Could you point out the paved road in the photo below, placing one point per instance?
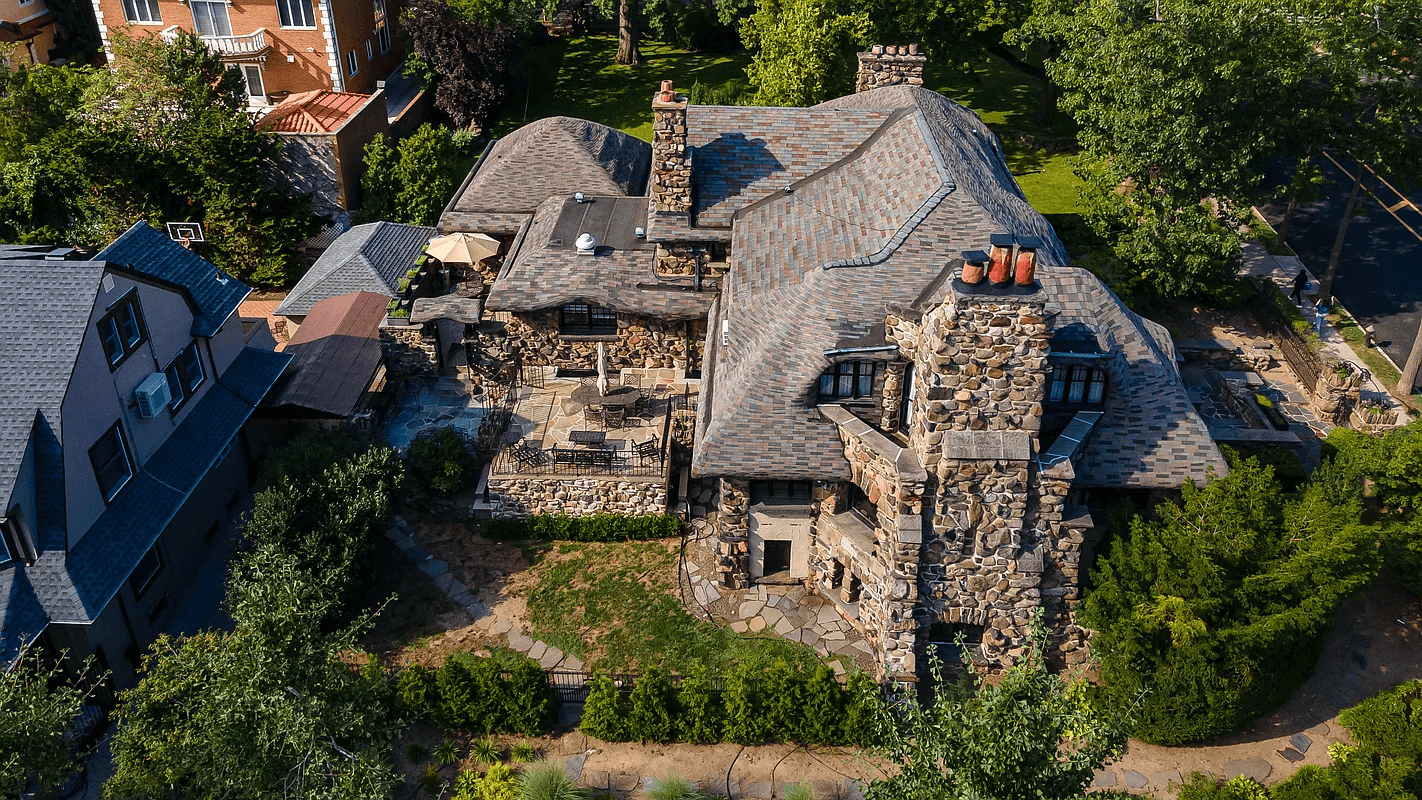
(1380, 274)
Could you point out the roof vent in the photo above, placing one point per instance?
(640, 233)
(585, 244)
(580, 198)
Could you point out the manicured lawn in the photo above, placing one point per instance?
(615, 606)
(579, 77)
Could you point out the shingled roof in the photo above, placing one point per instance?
(551, 157)
(815, 267)
(148, 251)
(366, 258)
(335, 354)
(544, 269)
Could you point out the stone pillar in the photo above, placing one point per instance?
(1338, 388)
(733, 538)
(893, 395)
(680, 259)
(889, 65)
(671, 160)
(408, 353)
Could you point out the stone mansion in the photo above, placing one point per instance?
(907, 398)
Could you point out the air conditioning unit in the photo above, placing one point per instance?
(153, 395)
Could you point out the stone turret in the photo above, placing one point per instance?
(671, 160)
(889, 65)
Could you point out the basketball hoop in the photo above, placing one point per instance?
(185, 233)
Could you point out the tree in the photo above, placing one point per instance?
(409, 181)
(652, 716)
(37, 705)
(1030, 735)
(700, 707)
(602, 711)
(163, 135)
(804, 50)
(379, 185)
(1181, 107)
(1407, 384)
(473, 59)
(1217, 609)
(270, 709)
(629, 29)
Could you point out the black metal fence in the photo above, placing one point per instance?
(1305, 364)
(577, 461)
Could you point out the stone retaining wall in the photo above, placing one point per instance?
(408, 353)
(640, 342)
(517, 498)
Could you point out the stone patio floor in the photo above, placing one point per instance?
(432, 404)
(544, 416)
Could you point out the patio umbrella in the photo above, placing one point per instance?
(601, 370)
(462, 248)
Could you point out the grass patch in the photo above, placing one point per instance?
(1353, 334)
(580, 77)
(615, 607)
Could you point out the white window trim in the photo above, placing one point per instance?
(369, 51)
(24, 3)
(352, 64)
(315, 15)
(124, 9)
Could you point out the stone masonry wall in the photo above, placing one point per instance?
(641, 342)
(889, 65)
(980, 373)
(408, 353)
(733, 534)
(516, 498)
(671, 160)
(889, 578)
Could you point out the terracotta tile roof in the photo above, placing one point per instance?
(317, 111)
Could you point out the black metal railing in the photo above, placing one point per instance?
(1305, 364)
(578, 461)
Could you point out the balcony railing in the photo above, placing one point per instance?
(251, 44)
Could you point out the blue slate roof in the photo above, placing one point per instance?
(147, 251)
(76, 588)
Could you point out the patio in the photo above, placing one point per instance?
(553, 434)
(438, 404)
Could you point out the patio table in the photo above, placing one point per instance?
(616, 396)
(587, 437)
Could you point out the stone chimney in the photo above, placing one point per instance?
(889, 65)
(671, 161)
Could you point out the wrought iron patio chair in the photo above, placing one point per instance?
(613, 418)
(650, 449)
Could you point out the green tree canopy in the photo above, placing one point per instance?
(37, 705)
(1217, 609)
(162, 135)
(1030, 735)
(804, 50)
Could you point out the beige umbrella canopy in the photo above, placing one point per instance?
(462, 248)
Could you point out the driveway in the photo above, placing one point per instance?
(1379, 277)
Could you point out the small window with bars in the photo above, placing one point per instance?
(587, 319)
(1075, 385)
(849, 380)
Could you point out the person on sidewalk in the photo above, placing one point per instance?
(1320, 316)
(1300, 283)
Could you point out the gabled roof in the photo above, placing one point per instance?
(44, 311)
(367, 258)
(551, 157)
(316, 111)
(75, 588)
(335, 354)
(146, 251)
(544, 269)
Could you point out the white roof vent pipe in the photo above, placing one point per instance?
(585, 244)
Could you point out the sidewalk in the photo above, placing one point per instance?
(1258, 262)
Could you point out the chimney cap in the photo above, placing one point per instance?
(1002, 240)
(667, 94)
(1029, 243)
(975, 256)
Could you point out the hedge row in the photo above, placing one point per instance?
(481, 695)
(594, 528)
(779, 704)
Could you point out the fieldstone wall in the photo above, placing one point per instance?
(517, 498)
(640, 343)
(408, 353)
(980, 367)
(1337, 390)
(733, 534)
(889, 65)
(671, 160)
(890, 476)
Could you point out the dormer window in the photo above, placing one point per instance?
(121, 331)
(1077, 385)
(849, 380)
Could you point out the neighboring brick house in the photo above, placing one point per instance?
(282, 47)
(324, 135)
(908, 400)
(126, 384)
(26, 32)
